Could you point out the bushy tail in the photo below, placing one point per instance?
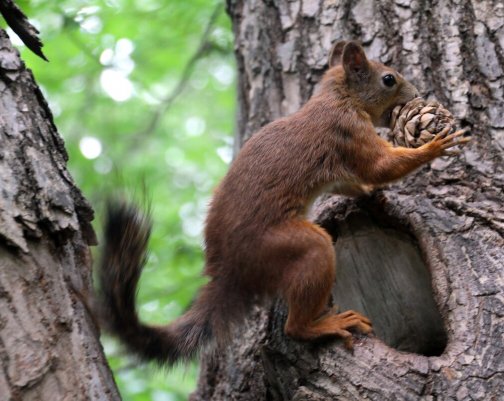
(127, 232)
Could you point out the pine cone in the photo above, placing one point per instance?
(418, 121)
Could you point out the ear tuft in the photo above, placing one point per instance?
(336, 53)
(355, 61)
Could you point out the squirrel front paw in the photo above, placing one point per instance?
(442, 142)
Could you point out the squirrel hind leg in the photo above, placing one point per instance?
(303, 322)
(306, 286)
(335, 326)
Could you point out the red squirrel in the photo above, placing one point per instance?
(258, 242)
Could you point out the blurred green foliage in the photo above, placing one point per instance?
(114, 66)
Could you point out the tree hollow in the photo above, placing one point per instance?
(380, 272)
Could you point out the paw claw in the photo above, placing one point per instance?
(441, 135)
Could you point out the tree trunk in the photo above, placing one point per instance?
(49, 348)
(422, 258)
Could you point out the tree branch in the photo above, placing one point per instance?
(19, 23)
(168, 101)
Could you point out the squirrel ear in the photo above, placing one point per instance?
(336, 53)
(355, 61)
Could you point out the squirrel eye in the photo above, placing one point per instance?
(389, 80)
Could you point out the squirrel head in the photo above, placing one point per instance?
(377, 88)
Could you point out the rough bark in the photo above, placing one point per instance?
(424, 257)
(49, 348)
